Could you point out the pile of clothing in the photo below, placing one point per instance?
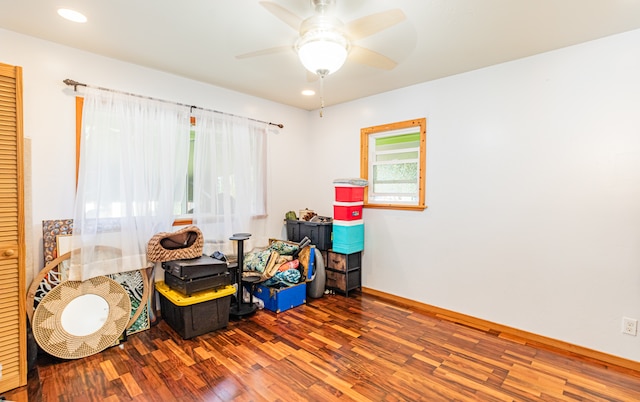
(282, 264)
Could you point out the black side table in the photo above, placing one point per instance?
(241, 309)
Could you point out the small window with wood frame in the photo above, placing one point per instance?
(393, 160)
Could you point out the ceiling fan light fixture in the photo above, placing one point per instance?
(322, 52)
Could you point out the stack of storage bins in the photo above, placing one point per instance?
(195, 296)
(348, 225)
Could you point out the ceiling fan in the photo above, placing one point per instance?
(325, 42)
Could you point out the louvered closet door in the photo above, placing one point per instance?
(12, 245)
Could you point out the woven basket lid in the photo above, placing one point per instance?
(183, 244)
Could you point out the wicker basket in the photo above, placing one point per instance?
(183, 244)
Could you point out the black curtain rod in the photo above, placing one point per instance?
(76, 84)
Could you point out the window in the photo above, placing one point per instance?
(393, 160)
(183, 209)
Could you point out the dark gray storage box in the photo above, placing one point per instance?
(191, 286)
(195, 267)
(198, 314)
(318, 232)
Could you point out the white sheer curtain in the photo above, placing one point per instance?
(229, 180)
(133, 168)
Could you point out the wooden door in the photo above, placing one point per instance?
(13, 356)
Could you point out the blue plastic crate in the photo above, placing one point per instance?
(279, 300)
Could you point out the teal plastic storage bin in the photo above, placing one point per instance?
(348, 236)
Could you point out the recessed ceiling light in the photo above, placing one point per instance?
(308, 92)
(72, 15)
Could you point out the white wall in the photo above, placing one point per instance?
(49, 121)
(533, 189)
(533, 178)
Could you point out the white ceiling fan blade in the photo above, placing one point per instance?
(368, 57)
(283, 14)
(367, 26)
(265, 52)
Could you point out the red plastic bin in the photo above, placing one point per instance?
(347, 211)
(349, 193)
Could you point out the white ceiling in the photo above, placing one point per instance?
(200, 39)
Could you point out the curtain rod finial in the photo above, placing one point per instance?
(73, 83)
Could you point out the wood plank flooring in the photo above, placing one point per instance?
(360, 348)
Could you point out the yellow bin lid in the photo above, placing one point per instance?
(179, 299)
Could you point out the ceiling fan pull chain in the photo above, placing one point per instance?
(321, 96)
(322, 74)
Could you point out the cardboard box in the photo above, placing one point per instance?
(279, 300)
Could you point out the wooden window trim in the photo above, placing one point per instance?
(79, 103)
(364, 161)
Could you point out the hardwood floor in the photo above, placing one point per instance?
(334, 348)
